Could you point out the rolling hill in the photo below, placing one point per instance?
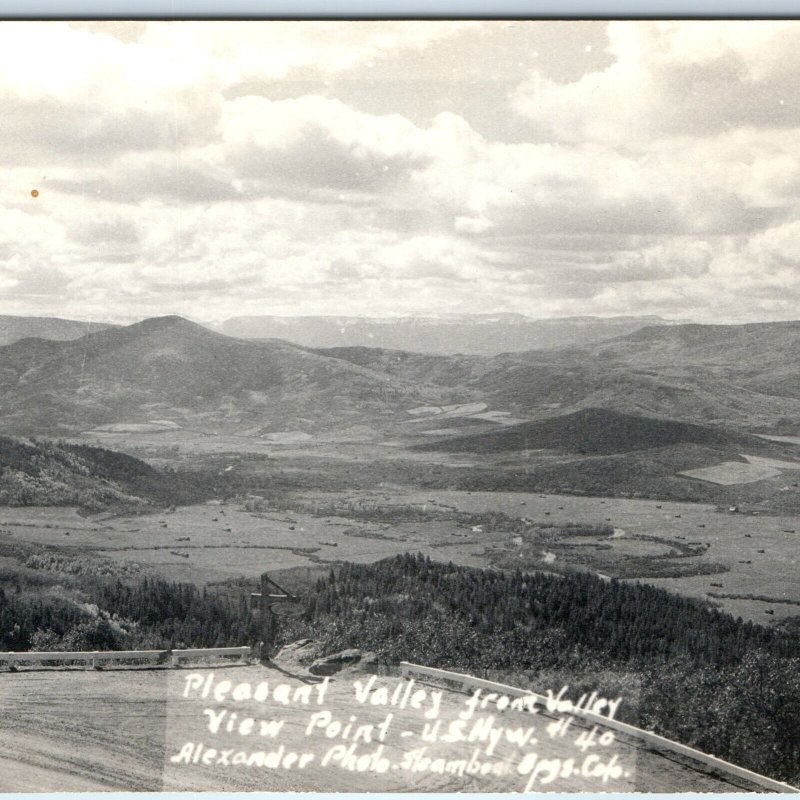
(13, 329)
(762, 344)
(597, 431)
(44, 473)
(743, 376)
(170, 369)
(608, 453)
(758, 363)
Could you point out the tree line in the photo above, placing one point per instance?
(698, 675)
(148, 614)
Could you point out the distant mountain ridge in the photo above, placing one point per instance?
(13, 328)
(477, 334)
(169, 369)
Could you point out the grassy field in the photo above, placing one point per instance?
(756, 468)
(768, 543)
(742, 554)
(212, 542)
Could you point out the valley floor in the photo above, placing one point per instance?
(747, 564)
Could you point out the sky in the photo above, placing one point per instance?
(219, 169)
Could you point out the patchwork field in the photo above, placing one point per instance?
(756, 468)
(213, 542)
(745, 563)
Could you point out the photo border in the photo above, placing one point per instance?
(397, 9)
(389, 10)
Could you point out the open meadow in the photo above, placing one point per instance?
(694, 549)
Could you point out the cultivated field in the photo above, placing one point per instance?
(756, 468)
(743, 554)
(759, 552)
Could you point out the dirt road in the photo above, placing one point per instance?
(74, 730)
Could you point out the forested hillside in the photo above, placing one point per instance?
(410, 607)
(42, 473)
(687, 671)
(598, 431)
(728, 687)
(151, 613)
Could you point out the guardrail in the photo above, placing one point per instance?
(98, 658)
(463, 682)
(241, 653)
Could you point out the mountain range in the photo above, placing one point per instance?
(480, 334)
(14, 328)
(177, 372)
(747, 376)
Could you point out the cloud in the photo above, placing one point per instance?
(171, 178)
(222, 168)
(314, 142)
(94, 90)
(674, 78)
(85, 97)
(113, 230)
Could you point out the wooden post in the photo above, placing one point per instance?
(268, 622)
(267, 598)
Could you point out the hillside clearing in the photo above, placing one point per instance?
(731, 473)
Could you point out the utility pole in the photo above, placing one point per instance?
(271, 594)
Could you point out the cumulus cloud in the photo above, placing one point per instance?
(674, 78)
(655, 173)
(313, 142)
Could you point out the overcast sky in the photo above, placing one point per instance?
(373, 168)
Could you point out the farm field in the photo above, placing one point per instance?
(207, 542)
(358, 444)
(731, 473)
(114, 730)
(758, 551)
(743, 554)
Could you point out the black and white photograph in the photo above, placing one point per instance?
(400, 406)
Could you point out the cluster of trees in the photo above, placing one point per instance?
(489, 521)
(412, 604)
(151, 613)
(52, 562)
(728, 687)
(699, 676)
(45, 473)
(747, 712)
